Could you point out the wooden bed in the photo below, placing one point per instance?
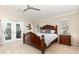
(37, 42)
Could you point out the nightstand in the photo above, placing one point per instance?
(65, 39)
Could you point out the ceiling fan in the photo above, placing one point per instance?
(30, 8)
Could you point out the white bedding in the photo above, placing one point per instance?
(48, 37)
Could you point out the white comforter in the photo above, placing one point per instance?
(48, 37)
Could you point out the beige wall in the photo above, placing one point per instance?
(73, 24)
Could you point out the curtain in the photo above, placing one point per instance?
(2, 32)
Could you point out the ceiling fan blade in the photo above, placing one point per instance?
(25, 10)
(28, 6)
(35, 9)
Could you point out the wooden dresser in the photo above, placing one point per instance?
(65, 39)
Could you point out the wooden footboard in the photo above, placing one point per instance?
(35, 41)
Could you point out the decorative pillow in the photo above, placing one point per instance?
(48, 31)
(43, 31)
(52, 31)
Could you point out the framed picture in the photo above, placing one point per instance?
(29, 27)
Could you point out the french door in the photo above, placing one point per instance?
(13, 31)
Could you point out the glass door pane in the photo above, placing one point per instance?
(8, 32)
(18, 31)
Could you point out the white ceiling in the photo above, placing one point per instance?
(46, 11)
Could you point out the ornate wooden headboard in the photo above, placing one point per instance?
(50, 27)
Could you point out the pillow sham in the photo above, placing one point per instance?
(52, 31)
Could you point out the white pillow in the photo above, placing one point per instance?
(43, 31)
(52, 31)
